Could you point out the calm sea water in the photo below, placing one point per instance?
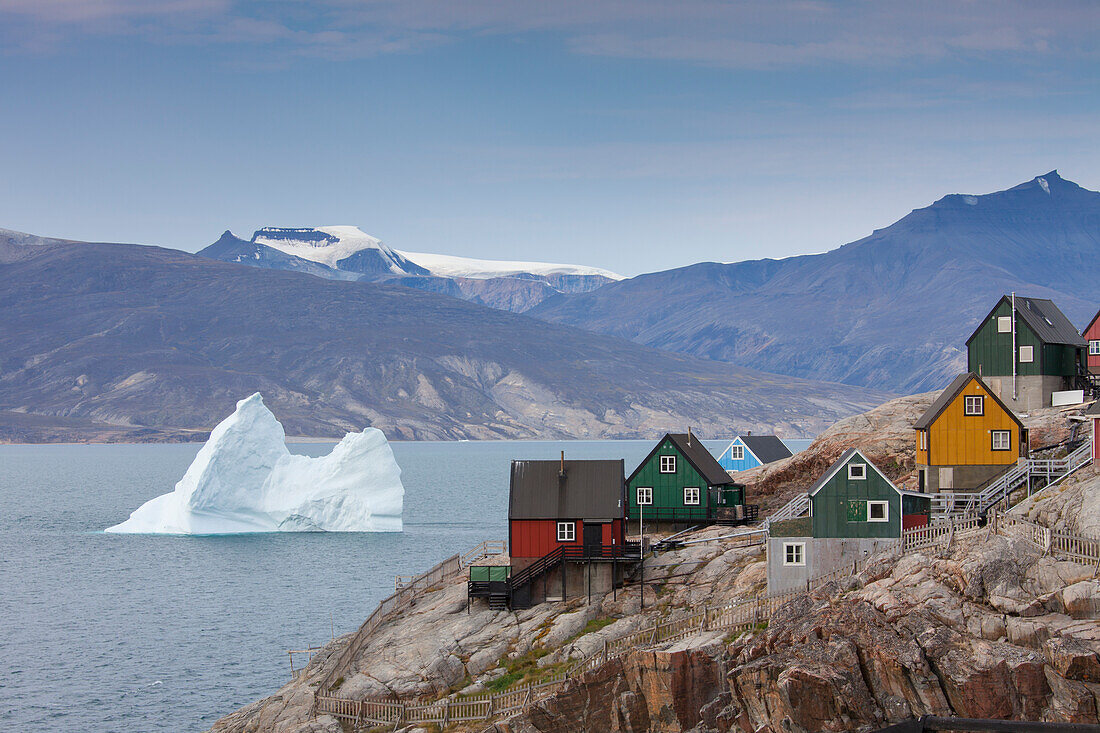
(157, 633)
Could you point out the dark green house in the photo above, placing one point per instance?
(1026, 354)
(855, 510)
(680, 483)
(853, 499)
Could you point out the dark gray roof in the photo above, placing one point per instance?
(587, 490)
(1044, 318)
(700, 458)
(766, 448)
(1048, 322)
(950, 392)
(1095, 409)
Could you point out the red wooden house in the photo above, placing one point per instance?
(1091, 335)
(553, 504)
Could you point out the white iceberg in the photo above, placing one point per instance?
(245, 480)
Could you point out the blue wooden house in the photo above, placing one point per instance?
(750, 451)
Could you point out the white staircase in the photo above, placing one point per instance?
(967, 503)
(799, 506)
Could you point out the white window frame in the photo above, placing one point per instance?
(885, 511)
(1094, 347)
(668, 464)
(862, 471)
(567, 531)
(737, 452)
(923, 439)
(688, 501)
(1027, 354)
(1004, 324)
(1006, 434)
(978, 400)
(799, 555)
(646, 498)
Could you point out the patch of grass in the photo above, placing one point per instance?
(339, 681)
(504, 681)
(596, 624)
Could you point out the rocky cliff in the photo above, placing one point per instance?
(988, 626)
(988, 629)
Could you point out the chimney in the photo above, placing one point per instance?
(689, 435)
(562, 471)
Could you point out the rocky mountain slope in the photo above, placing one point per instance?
(346, 253)
(892, 310)
(105, 340)
(986, 627)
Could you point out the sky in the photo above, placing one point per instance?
(626, 134)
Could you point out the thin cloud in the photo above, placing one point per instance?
(751, 34)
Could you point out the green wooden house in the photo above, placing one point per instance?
(855, 510)
(680, 484)
(1049, 353)
(853, 499)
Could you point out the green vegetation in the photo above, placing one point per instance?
(596, 624)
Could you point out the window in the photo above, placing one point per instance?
(645, 495)
(974, 405)
(567, 531)
(1094, 348)
(924, 440)
(794, 553)
(1027, 354)
(668, 464)
(857, 471)
(1004, 324)
(878, 511)
(737, 452)
(691, 495)
(1002, 440)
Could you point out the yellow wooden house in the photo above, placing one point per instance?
(967, 438)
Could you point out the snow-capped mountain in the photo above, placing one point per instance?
(452, 266)
(341, 248)
(348, 253)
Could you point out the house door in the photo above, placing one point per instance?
(593, 539)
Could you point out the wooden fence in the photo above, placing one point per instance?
(1079, 548)
(731, 617)
(938, 533)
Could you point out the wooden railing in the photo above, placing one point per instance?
(938, 533)
(1072, 546)
(735, 616)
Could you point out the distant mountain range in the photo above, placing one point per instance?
(890, 311)
(340, 331)
(346, 253)
(127, 342)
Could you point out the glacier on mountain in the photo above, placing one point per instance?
(245, 480)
